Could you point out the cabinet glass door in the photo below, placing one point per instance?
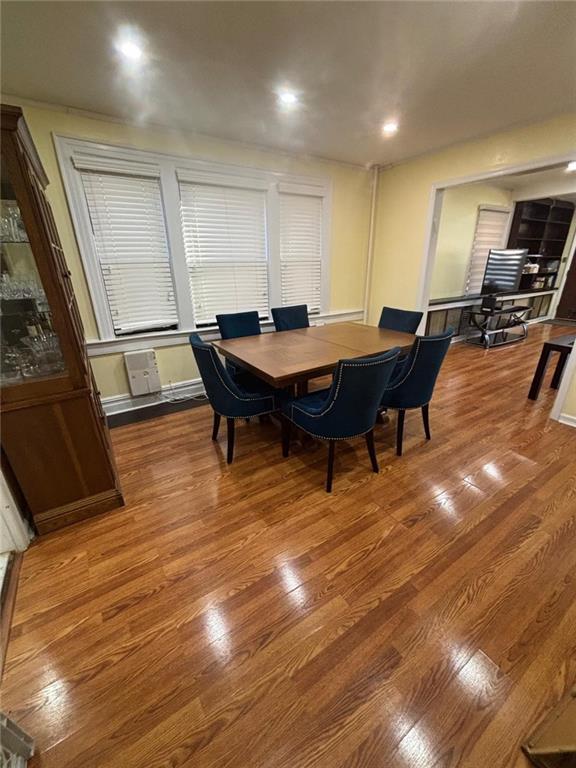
(30, 348)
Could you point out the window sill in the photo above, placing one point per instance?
(101, 347)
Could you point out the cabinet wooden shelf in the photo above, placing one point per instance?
(541, 226)
(56, 448)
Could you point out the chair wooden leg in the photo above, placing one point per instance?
(426, 420)
(382, 416)
(400, 431)
(286, 429)
(372, 450)
(215, 426)
(230, 454)
(330, 475)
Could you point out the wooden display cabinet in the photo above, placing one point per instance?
(55, 442)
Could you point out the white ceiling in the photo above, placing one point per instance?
(448, 71)
(553, 181)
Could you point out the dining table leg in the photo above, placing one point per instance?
(559, 370)
(301, 388)
(539, 373)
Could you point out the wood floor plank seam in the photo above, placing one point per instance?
(240, 617)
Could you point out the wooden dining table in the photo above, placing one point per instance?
(293, 357)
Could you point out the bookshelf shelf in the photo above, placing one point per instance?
(542, 227)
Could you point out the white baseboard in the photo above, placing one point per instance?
(566, 418)
(170, 392)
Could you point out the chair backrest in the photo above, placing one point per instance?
(221, 390)
(413, 385)
(238, 324)
(290, 318)
(403, 320)
(354, 398)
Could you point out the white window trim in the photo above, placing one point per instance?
(169, 165)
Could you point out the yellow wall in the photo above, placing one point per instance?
(350, 216)
(404, 200)
(456, 234)
(403, 203)
(569, 407)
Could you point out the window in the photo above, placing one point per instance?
(132, 249)
(168, 243)
(224, 231)
(301, 249)
(491, 230)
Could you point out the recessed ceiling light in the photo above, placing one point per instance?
(287, 98)
(390, 128)
(130, 50)
(571, 167)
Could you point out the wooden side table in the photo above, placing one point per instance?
(561, 344)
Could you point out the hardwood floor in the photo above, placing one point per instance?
(240, 617)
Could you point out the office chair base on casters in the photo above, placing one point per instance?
(498, 325)
(499, 338)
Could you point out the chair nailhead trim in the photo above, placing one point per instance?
(419, 341)
(212, 352)
(331, 405)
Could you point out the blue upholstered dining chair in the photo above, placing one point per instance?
(226, 396)
(290, 318)
(414, 379)
(403, 320)
(347, 409)
(237, 324)
(233, 326)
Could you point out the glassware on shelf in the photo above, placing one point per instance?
(12, 227)
(5, 228)
(30, 347)
(46, 353)
(37, 357)
(20, 288)
(10, 372)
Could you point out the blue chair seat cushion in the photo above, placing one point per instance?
(227, 397)
(252, 384)
(313, 403)
(348, 409)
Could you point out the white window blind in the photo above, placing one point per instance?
(224, 231)
(127, 219)
(301, 249)
(491, 227)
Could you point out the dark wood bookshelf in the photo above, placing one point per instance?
(541, 226)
